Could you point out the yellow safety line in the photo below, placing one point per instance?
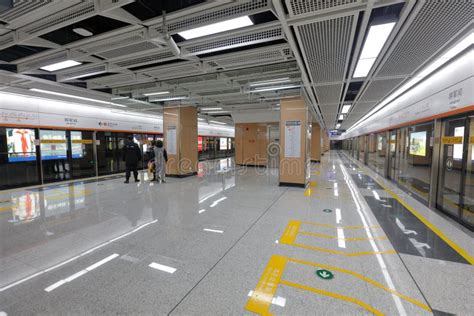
(308, 192)
(289, 235)
(364, 278)
(346, 239)
(438, 232)
(312, 184)
(334, 295)
(333, 226)
(262, 297)
(336, 252)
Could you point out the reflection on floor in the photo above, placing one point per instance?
(230, 241)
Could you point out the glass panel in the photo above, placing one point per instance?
(18, 158)
(362, 148)
(380, 156)
(54, 156)
(449, 191)
(393, 154)
(106, 160)
(372, 151)
(82, 154)
(467, 212)
(416, 159)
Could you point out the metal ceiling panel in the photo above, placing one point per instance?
(127, 50)
(330, 94)
(434, 26)
(149, 58)
(302, 7)
(22, 8)
(326, 47)
(377, 89)
(40, 62)
(71, 74)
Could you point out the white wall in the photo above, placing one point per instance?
(25, 111)
(433, 96)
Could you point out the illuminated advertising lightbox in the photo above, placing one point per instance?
(199, 143)
(77, 148)
(53, 145)
(458, 148)
(21, 144)
(223, 143)
(418, 144)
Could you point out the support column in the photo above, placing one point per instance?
(251, 141)
(180, 140)
(316, 143)
(295, 141)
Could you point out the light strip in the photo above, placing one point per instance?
(266, 82)
(213, 230)
(168, 99)
(216, 28)
(450, 54)
(210, 109)
(162, 267)
(376, 38)
(341, 117)
(216, 122)
(155, 93)
(75, 97)
(85, 75)
(275, 88)
(346, 108)
(119, 98)
(61, 65)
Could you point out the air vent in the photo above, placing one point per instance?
(114, 42)
(82, 72)
(255, 58)
(236, 41)
(153, 58)
(299, 7)
(22, 8)
(39, 62)
(326, 46)
(127, 50)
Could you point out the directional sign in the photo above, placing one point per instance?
(325, 274)
(326, 210)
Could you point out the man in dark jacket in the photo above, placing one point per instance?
(131, 155)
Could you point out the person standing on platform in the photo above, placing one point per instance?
(161, 157)
(131, 155)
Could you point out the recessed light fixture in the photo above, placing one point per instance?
(267, 82)
(210, 109)
(341, 117)
(338, 126)
(275, 88)
(155, 93)
(216, 28)
(75, 97)
(346, 108)
(61, 65)
(376, 38)
(82, 31)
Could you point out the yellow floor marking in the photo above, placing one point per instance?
(315, 173)
(262, 297)
(289, 235)
(308, 192)
(312, 184)
(334, 295)
(346, 239)
(364, 278)
(438, 232)
(347, 254)
(333, 226)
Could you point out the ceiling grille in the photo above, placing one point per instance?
(298, 7)
(114, 42)
(251, 59)
(21, 8)
(434, 26)
(126, 50)
(74, 74)
(326, 46)
(378, 89)
(330, 94)
(153, 58)
(39, 62)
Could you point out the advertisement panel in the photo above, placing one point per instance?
(53, 145)
(199, 143)
(418, 144)
(21, 144)
(223, 143)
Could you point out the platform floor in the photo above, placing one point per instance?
(231, 242)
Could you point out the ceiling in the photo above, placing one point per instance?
(311, 46)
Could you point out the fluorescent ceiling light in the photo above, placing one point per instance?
(338, 125)
(85, 75)
(216, 28)
(341, 117)
(62, 65)
(210, 109)
(266, 82)
(217, 122)
(76, 97)
(217, 112)
(168, 99)
(119, 98)
(346, 108)
(376, 38)
(155, 93)
(201, 119)
(275, 88)
(451, 53)
(82, 31)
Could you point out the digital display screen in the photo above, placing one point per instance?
(418, 144)
(77, 148)
(21, 144)
(223, 143)
(53, 145)
(458, 148)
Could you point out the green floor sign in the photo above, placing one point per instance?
(325, 274)
(326, 210)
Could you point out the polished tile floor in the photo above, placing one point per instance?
(230, 242)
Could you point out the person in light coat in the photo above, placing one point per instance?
(161, 158)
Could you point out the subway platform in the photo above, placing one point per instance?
(230, 241)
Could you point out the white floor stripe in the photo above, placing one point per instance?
(279, 301)
(213, 230)
(338, 215)
(340, 238)
(81, 273)
(162, 267)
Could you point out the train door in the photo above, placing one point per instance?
(452, 196)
